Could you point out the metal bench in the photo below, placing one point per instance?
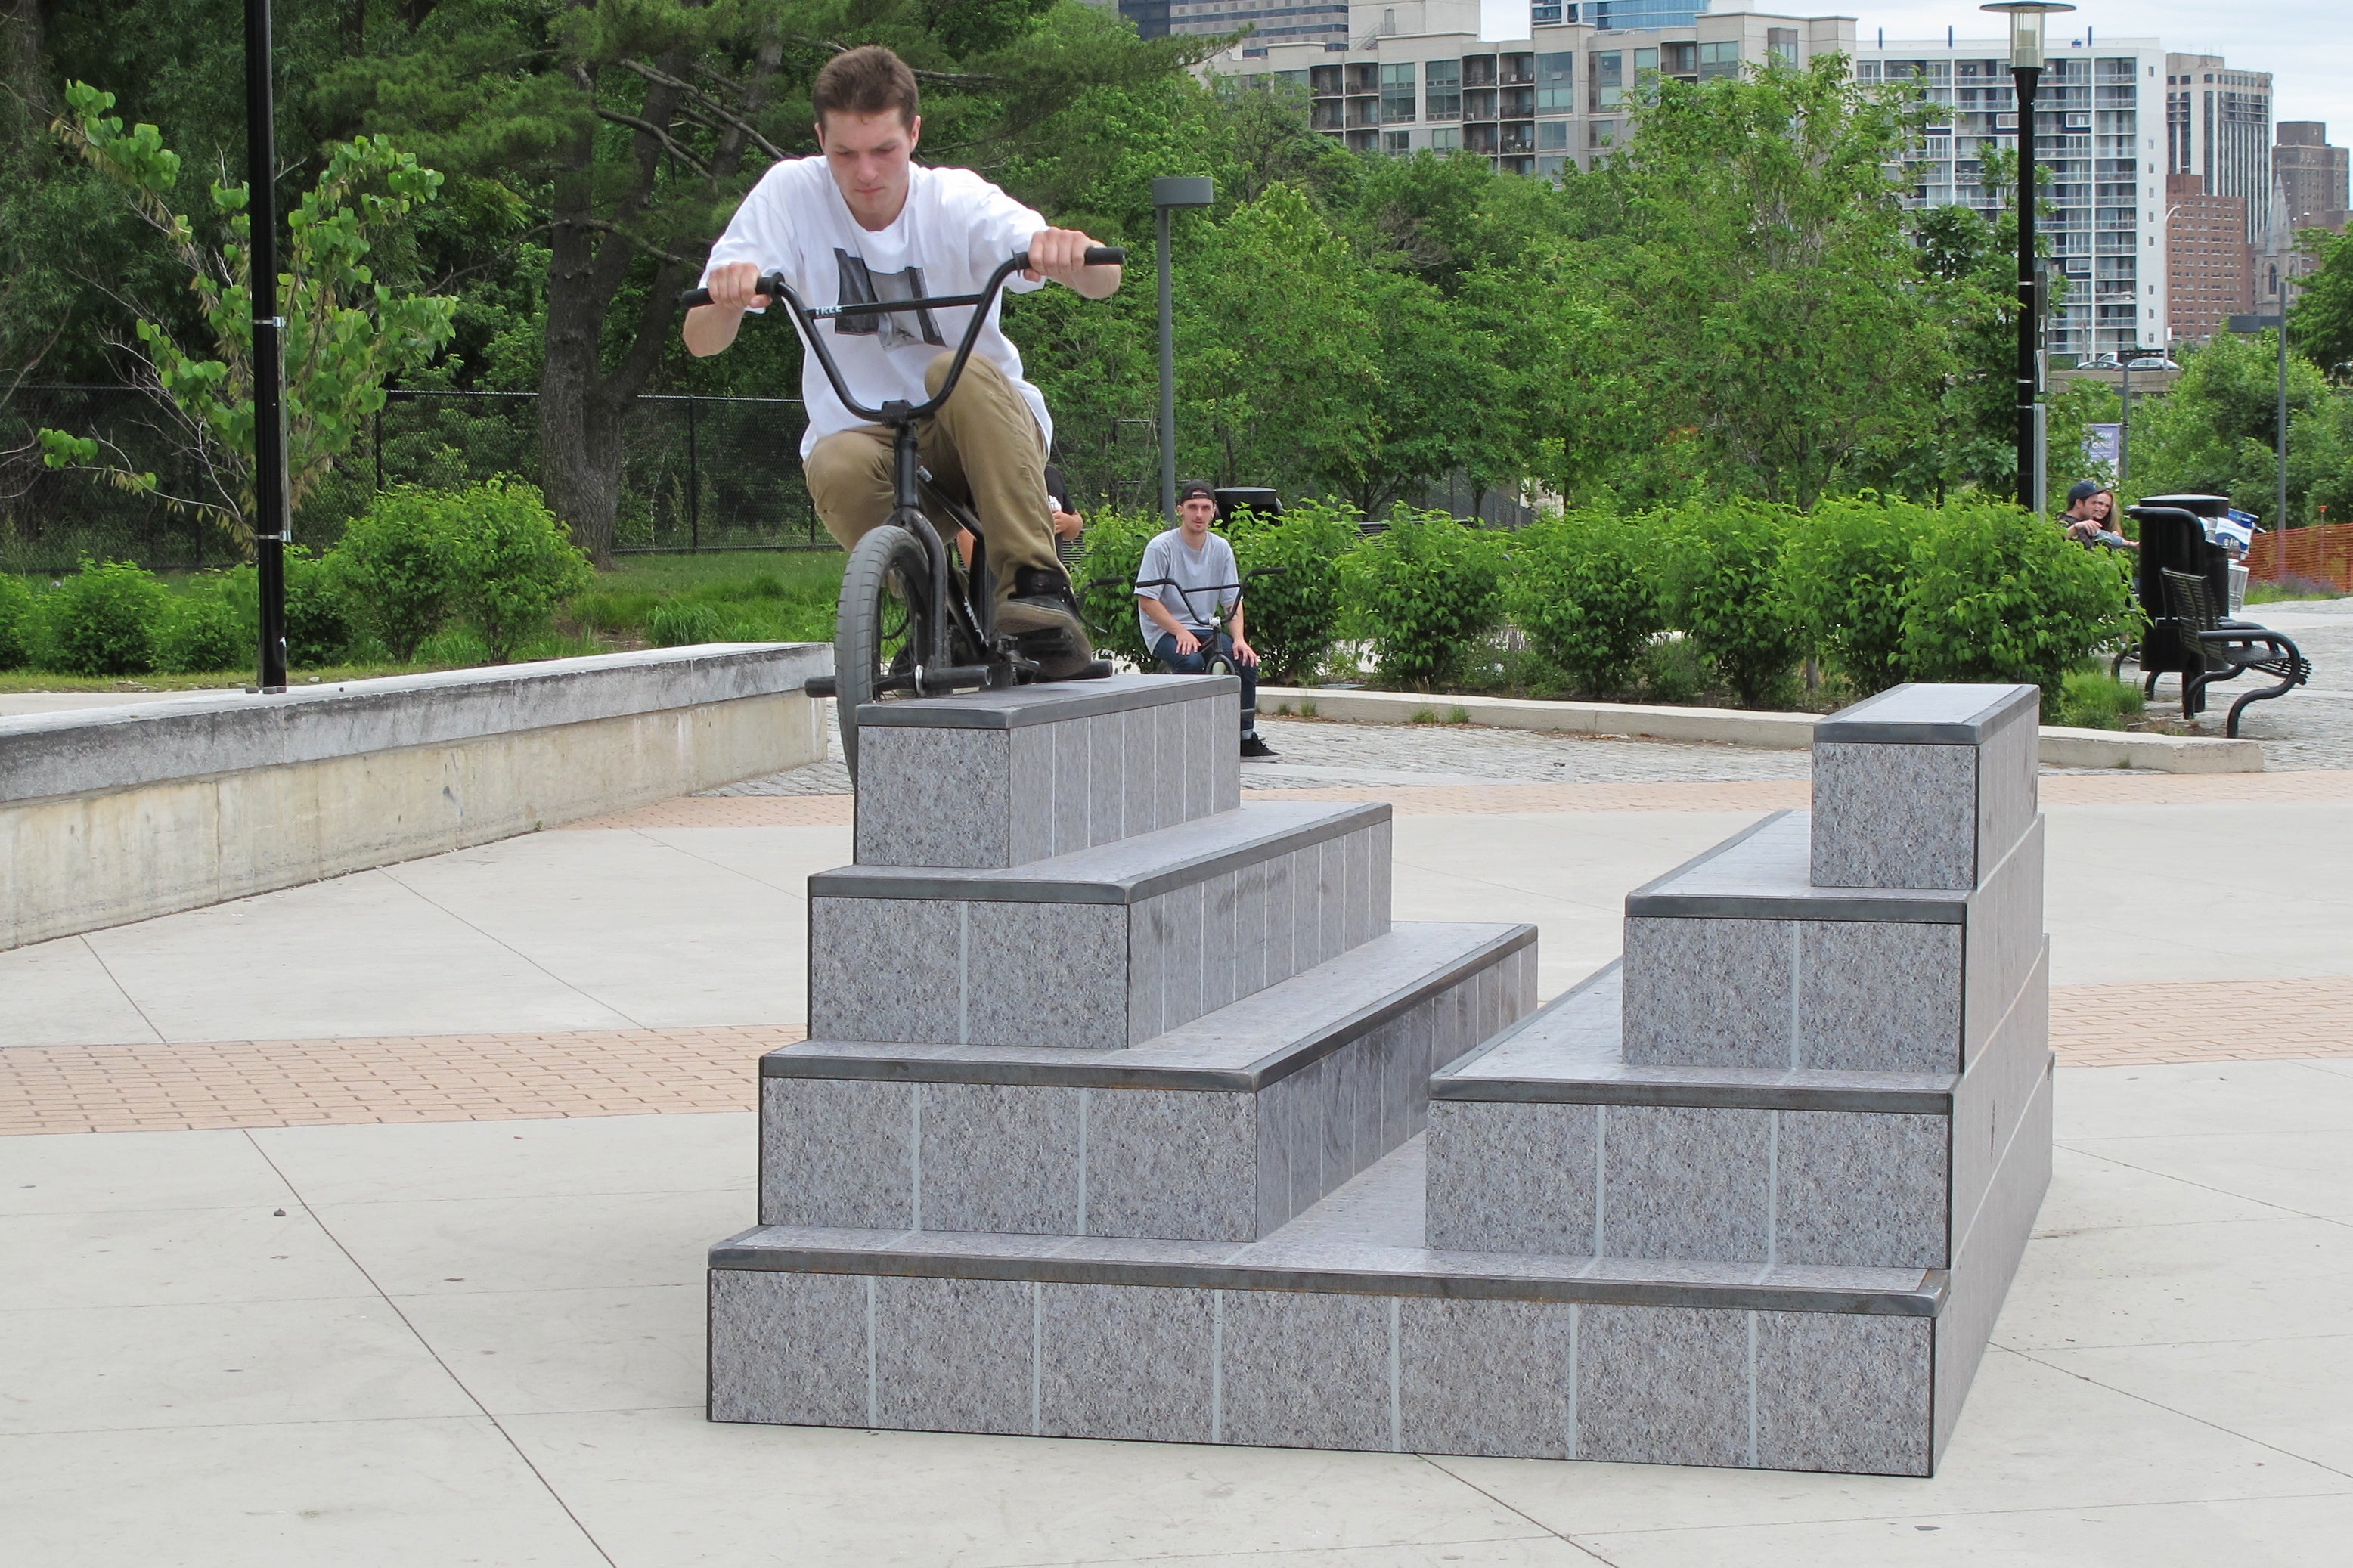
(2182, 577)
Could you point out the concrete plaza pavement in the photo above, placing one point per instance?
(481, 1341)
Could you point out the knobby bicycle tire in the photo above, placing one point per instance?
(876, 629)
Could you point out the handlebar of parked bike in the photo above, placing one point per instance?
(774, 287)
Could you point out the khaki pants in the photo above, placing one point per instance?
(982, 446)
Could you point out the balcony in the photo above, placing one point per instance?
(1478, 70)
(1479, 104)
(1518, 102)
(1519, 71)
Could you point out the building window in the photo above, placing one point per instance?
(1552, 168)
(1552, 135)
(1645, 60)
(1443, 91)
(1601, 133)
(1719, 59)
(1556, 83)
(1609, 79)
(1396, 143)
(1782, 44)
(1542, 14)
(1445, 139)
(1396, 94)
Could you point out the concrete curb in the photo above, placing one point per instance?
(2060, 748)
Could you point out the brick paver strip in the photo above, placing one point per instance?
(432, 1078)
(631, 1072)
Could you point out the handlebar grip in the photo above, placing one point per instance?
(770, 284)
(1097, 256)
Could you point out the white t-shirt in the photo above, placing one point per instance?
(1208, 572)
(955, 229)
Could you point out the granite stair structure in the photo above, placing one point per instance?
(1128, 1113)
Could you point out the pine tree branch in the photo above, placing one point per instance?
(647, 128)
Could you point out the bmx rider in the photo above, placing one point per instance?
(861, 222)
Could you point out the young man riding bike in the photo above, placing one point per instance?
(862, 222)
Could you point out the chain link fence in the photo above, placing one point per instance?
(697, 474)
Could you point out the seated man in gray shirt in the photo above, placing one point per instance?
(1187, 574)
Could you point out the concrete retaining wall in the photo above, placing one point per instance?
(112, 815)
(2060, 748)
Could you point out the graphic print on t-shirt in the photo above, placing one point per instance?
(861, 287)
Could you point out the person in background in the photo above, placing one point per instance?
(2089, 509)
(1178, 626)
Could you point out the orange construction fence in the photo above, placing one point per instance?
(2321, 555)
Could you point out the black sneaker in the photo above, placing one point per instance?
(1042, 617)
(1257, 751)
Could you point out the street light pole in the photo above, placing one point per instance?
(2026, 72)
(270, 523)
(1181, 191)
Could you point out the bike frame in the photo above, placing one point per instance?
(935, 668)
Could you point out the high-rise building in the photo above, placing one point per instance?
(2218, 126)
(1418, 75)
(2210, 266)
(2096, 132)
(2312, 175)
(1323, 24)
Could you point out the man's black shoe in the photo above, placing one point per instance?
(1257, 751)
(1042, 617)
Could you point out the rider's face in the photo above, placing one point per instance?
(867, 154)
(1195, 515)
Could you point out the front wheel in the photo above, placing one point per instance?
(883, 627)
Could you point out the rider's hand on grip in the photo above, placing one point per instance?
(737, 285)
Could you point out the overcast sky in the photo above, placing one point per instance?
(2306, 45)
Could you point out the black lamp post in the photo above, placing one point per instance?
(2026, 71)
(270, 522)
(1180, 191)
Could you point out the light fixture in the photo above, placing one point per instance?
(2026, 28)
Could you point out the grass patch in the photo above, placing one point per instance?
(2288, 588)
(667, 601)
(2091, 699)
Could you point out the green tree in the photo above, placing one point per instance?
(2215, 432)
(626, 132)
(2320, 322)
(346, 332)
(1764, 282)
(1276, 347)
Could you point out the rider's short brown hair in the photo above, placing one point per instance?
(865, 80)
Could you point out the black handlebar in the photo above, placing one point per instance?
(897, 412)
(774, 285)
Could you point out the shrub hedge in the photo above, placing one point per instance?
(1708, 595)
(1425, 594)
(1582, 590)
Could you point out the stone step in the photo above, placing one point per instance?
(1103, 947)
(1924, 786)
(985, 779)
(1548, 1140)
(1221, 1129)
(1341, 1330)
(1738, 960)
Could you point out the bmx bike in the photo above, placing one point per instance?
(1215, 660)
(913, 620)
